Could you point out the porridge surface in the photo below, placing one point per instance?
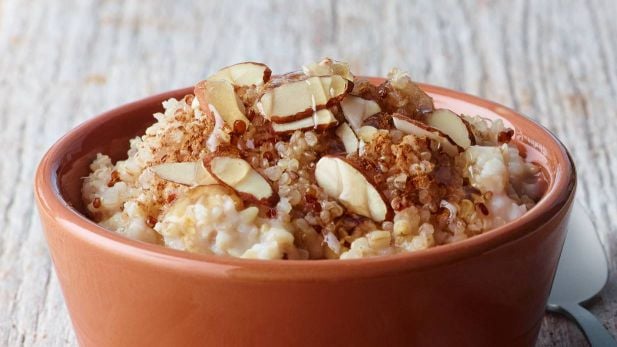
(309, 165)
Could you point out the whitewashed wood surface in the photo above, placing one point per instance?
(62, 62)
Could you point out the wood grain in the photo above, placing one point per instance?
(62, 62)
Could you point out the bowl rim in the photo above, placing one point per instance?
(52, 205)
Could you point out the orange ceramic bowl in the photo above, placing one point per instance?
(489, 290)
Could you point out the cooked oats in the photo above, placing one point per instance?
(290, 196)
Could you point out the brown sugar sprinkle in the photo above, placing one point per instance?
(171, 198)
(151, 221)
(271, 213)
(96, 203)
(311, 202)
(505, 136)
(239, 127)
(115, 178)
(482, 207)
(269, 156)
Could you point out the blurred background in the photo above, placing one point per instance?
(63, 61)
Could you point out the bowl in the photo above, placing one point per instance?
(488, 290)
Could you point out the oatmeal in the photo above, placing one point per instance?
(311, 164)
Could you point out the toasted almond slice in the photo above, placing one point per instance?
(419, 129)
(201, 195)
(243, 74)
(230, 170)
(356, 110)
(342, 181)
(188, 173)
(321, 119)
(292, 101)
(239, 175)
(328, 67)
(349, 139)
(221, 95)
(452, 125)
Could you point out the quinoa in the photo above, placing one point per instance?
(420, 194)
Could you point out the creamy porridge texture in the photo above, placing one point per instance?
(311, 164)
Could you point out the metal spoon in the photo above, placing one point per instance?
(581, 274)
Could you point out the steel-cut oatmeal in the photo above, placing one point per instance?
(311, 164)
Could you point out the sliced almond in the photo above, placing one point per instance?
(239, 175)
(201, 195)
(342, 181)
(289, 102)
(220, 94)
(188, 173)
(328, 67)
(419, 129)
(230, 170)
(452, 125)
(349, 139)
(321, 119)
(356, 110)
(243, 74)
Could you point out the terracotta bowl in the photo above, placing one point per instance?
(489, 290)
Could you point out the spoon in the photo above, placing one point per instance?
(582, 273)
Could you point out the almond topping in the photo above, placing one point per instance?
(189, 173)
(349, 139)
(243, 74)
(452, 125)
(289, 102)
(320, 120)
(419, 129)
(239, 175)
(356, 110)
(342, 181)
(220, 94)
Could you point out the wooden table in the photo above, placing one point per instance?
(62, 62)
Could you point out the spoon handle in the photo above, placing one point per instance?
(594, 330)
